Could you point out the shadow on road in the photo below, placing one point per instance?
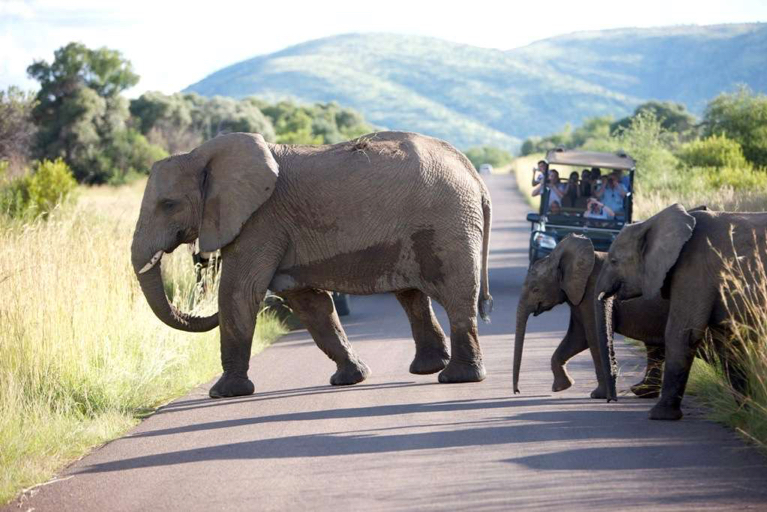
(590, 422)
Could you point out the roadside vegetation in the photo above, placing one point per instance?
(721, 162)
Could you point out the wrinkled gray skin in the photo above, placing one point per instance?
(569, 274)
(390, 212)
(679, 255)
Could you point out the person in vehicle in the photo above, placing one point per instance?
(555, 208)
(572, 191)
(597, 210)
(557, 188)
(585, 183)
(623, 179)
(541, 166)
(611, 193)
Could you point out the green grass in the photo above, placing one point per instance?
(82, 357)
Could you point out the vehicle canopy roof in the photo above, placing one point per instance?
(618, 160)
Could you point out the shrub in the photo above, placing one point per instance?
(51, 183)
(38, 193)
(739, 178)
(713, 151)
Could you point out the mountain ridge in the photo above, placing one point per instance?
(471, 96)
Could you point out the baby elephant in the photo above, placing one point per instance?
(569, 274)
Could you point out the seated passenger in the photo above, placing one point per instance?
(572, 191)
(611, 193)
(623, 180)
(555, 208)
(585, 183)
(557, 188)
(597, 210)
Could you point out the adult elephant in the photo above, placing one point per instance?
(389, 212)
(682, 256)
(569, 274)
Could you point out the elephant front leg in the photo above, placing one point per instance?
(650, 385)
(315, 309)
(681, 344)
(571, 345)
(431, 354)
(238, 308)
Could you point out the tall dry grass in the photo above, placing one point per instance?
(82, 356)
(745, 292)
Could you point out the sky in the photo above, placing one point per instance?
(174, 44)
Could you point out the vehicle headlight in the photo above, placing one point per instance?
(544, 241)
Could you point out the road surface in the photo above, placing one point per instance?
(403, 442)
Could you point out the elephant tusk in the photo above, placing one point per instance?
(152, 262)
(601, 296)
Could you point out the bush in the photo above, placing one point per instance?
(714, 151)
(51, 183)
(38, 193)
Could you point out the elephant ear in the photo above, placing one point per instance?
(663, 237)
(575, 262)
(238, 175)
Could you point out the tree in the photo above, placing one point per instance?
(17, 129)
(673, 117)
(80, 113)
(741, 116)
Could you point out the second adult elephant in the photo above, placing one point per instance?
(569, 274)
(684, 256)
(389, 212)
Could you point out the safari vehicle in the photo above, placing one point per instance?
(549, 228)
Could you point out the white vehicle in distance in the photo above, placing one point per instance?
(485, 169)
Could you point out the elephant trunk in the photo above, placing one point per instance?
(519, 340)
(150, 280)
(605, 336)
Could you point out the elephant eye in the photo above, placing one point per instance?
(168, 204)
(613, 261)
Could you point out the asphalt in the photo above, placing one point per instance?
(404, 442)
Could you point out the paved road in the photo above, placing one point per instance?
(404, 442)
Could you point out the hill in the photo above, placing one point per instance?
(473, 96)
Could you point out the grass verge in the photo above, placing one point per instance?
(82, 357)
(521, 168)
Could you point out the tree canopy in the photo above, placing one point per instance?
(741, 116)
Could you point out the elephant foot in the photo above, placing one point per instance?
(351, 373)
(231, 385)
(561, 383)
(599, 392)
(426, 363)
(456, 372)
(643, 390)
(665, 412)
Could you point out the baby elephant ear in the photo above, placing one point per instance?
(664, 236)
(238, 174)
(576, 261)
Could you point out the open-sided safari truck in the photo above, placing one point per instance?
(549, 228)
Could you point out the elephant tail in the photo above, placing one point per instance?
(485, 299)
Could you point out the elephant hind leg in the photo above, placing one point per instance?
(465, 353)
(431, 354)
(316, 311)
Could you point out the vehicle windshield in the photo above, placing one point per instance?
(590, 196)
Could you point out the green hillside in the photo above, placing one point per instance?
(472, 96)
